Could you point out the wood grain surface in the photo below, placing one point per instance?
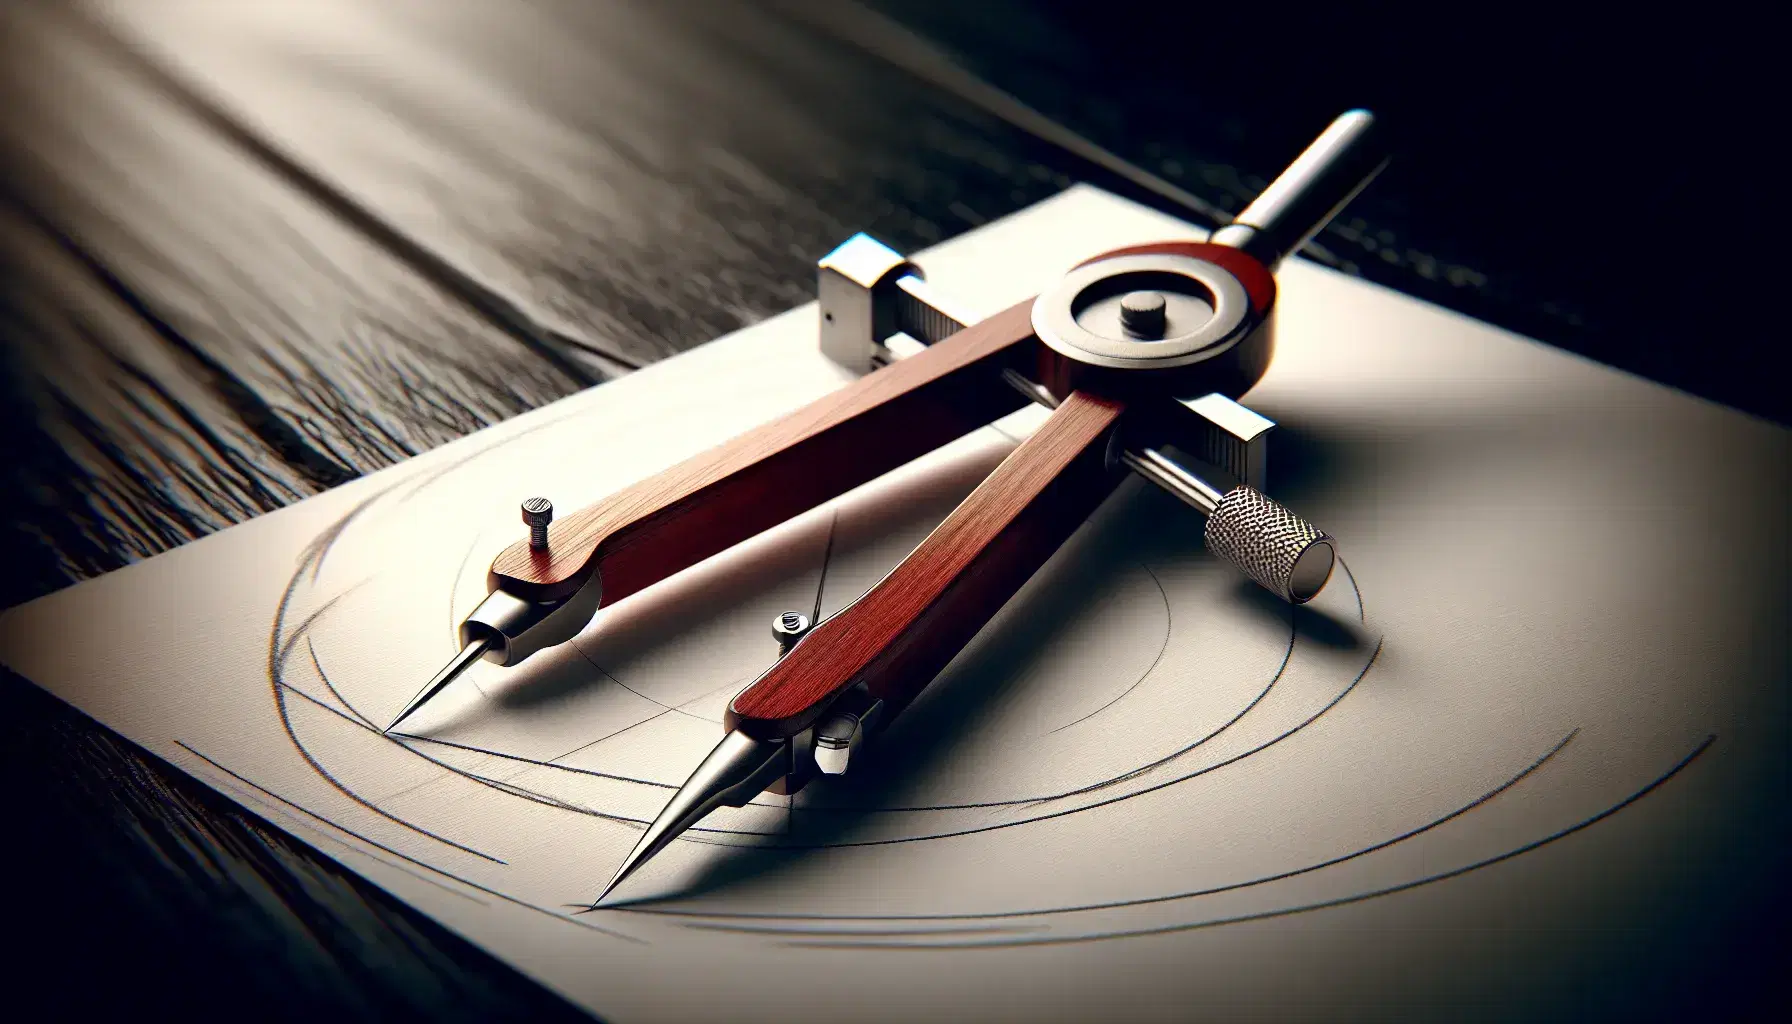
(200, 327)
(903, 631)
(606, 167)
(203, 340)
(718, 498)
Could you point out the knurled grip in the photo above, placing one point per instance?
(1289, 556)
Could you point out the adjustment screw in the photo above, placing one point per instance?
(1144, 314)
(788, 628)
(538, 513)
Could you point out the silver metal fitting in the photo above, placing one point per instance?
(876, 306)
(835, 740)
(1220, 432)
(515, 628)
(788, 628)
(1207, 313)
(1289, 556)
(858, 300)
(537, 514)
(843, 730)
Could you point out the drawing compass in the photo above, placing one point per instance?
(1139, 353)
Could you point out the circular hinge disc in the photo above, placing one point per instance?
(1207, 311)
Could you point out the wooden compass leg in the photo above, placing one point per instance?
(903, 631)
(721, 497)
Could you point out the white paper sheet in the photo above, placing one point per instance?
(1550, 683)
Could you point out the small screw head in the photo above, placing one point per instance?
(1144, 314)
(788, 628)
(537, 514)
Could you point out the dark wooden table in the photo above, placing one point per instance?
(252, 251)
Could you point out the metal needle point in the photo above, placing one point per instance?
(467, 656)
(736, 771)
(537, 514)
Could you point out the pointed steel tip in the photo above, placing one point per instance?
(609, 888)
(622, 872)
(738, 769)
(402, 715)
(662, 831)
(416, 702)
(467, 656)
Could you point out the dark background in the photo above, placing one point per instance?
(1595, 174)
(203, 320)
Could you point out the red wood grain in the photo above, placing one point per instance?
(903, 631)
(721, 497)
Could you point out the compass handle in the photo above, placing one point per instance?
(719, 498)
(904, 630)
(1323, 180)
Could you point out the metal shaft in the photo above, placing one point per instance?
(1327, 175)
(1166, 473)
(462, 661)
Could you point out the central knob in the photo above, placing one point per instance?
(1142, 314)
